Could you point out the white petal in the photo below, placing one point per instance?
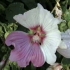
(46, 15)
(30, 18)
(37, 16)
(50, 24)
(52, 40)
(65, 43)
(47, 20)
(65, 36)
(49, 57)
(49, 46)
(67, 31)
(64, 52)
(62, 45)
(65, 39)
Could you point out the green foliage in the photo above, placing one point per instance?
(8, 28)
(2, 8)
(10, 0)
(29, 3)
(66, 64)
(69, 24)
(5, 30)
(1, 32)
(68, 2)
(66, 15)
(63, 27)
(66, 61)
(14, 9)
(11, 65)
(64, 5)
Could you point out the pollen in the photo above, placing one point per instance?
(38, 35)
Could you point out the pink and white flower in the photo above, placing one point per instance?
(64, 47)
(41, 45)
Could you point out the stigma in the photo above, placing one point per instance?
(38, 35)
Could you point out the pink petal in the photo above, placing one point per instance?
(25, 60)
(37, 56)
(24, 51)
(17, 38)
(22, 45)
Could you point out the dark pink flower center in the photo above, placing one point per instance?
(38, 35)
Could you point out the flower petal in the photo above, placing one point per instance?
(49, 57)
(37, 16)
(21, 53)
(37, 57)
(62, 45)
(49, 46)
(65, 52)
(50, 24)
(17, 38)
(65, 43)
(47, 20)
(65, 35)
(28, 19)
(26, 58)
(52, 40)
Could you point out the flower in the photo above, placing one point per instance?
(55, 66)
(40, 44)
(65, 44)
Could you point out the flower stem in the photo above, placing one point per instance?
(57, 4)
(6, 60)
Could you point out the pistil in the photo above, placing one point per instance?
(37, 35)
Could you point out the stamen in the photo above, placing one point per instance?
(38, 35)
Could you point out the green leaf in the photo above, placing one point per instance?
(65, 61)
(65, 67)
(28, 68)
(6, 34)
(14, 67)
(64, 5)
(14, 9)
(22, 28)
(4, 49)
(67, 15)
(68, 24)
(2, 8)
(30, 3)
(63, 27)
(10, 0)
(68, 2)
(12, 27)
(1, 31)
(7, 67)
(32, 67)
